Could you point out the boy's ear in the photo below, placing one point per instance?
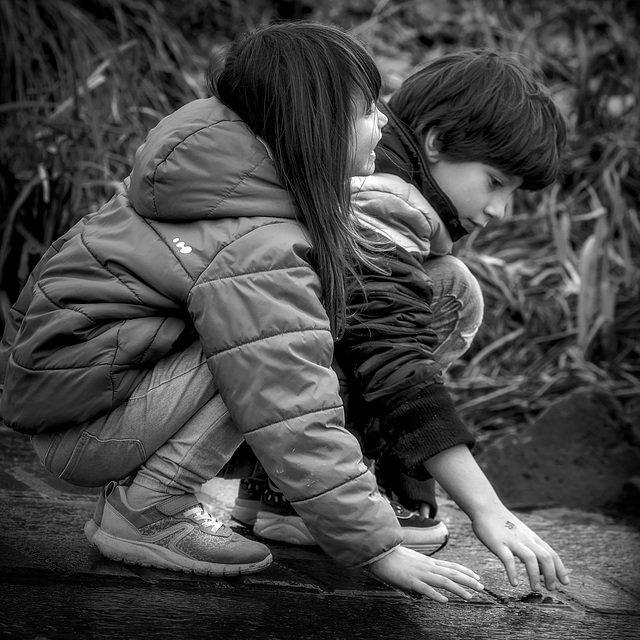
(432, 145)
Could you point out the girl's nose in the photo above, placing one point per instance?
(382, 119)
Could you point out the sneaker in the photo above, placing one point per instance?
(176, 534)
(277, 520)
(91, 527)
(247, 504)
(421, 534)
(273, 518)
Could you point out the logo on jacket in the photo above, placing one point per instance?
(183, 246)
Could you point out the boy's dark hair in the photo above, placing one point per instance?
(487, 108)
(296, 84)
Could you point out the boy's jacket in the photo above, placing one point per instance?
(201, 242)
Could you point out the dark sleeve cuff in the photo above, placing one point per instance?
(423, 426)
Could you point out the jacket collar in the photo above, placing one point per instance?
(399, 153)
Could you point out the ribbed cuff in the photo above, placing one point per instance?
(423, 426)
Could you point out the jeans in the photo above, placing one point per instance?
(175, 432)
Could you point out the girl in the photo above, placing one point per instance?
(216, 276)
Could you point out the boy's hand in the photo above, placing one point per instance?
(496, 527)
(412, 571)
(509, 538)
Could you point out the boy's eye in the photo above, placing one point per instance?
(495, 182)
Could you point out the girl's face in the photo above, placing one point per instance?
(367, 133)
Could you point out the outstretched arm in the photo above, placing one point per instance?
(458, 473)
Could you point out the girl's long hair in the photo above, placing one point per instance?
(295, 85)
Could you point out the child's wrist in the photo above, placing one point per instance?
(485, 509)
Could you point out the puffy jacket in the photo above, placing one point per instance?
(387, 204)
(201, 240)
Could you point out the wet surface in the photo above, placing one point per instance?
(55, 585)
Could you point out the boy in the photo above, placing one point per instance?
(463, 134)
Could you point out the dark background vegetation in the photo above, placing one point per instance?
(82, 81)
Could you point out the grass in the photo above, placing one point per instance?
(76, 104)
(560, 275)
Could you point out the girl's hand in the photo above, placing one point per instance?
(412, 571)
(509, 538)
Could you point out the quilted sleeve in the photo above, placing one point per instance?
(266, 336)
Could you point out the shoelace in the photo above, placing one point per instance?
(204, 518)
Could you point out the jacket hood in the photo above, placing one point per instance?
(397, 210)
(400, 154)
(203, 162)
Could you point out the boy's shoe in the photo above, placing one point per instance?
(277, 520)
(247, 504)
(421, 534)
(261, 505)
(176, 534)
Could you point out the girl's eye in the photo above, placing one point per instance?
(496, 183)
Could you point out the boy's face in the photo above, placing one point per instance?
(478, 191)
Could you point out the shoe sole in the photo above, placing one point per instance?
(272, 526)
(90, 529)
(427, 549)
(148, 555)
(426, 541)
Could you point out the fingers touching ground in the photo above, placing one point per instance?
(539, 560)
(414, 572)
(449, 576)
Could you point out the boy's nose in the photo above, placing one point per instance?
(496, 209)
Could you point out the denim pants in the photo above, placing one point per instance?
(175, 432)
